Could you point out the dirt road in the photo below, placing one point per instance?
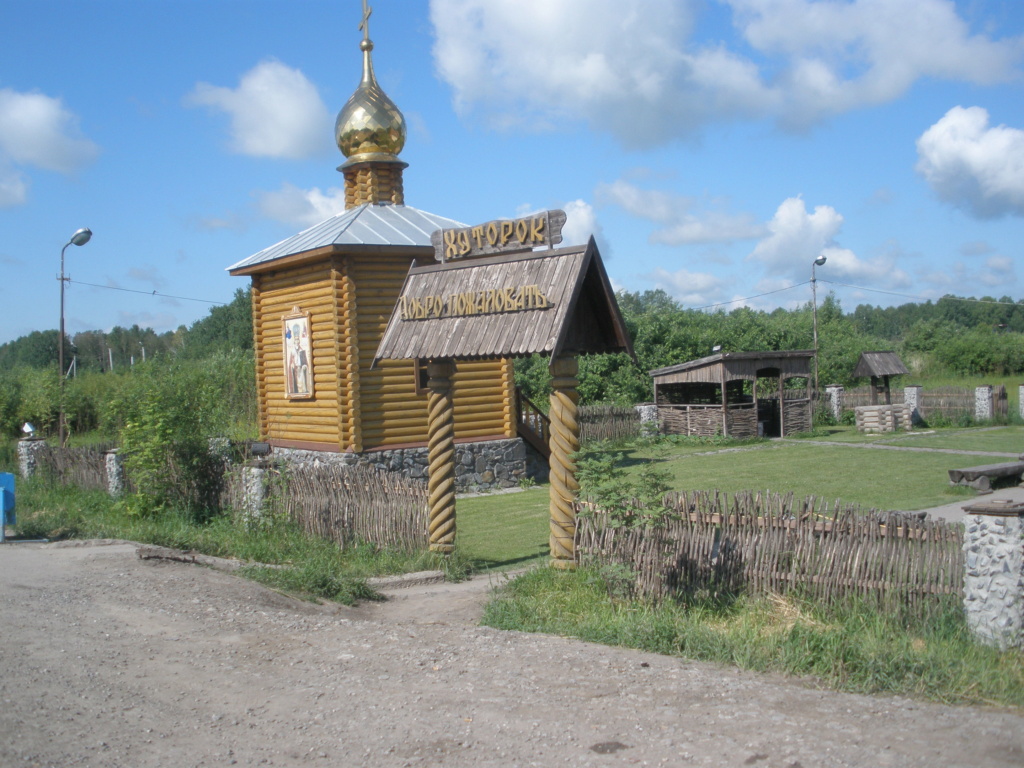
(109, 660)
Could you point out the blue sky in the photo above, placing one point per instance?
(714, 147)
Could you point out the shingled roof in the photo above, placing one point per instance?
(565, 306)
(879, 364)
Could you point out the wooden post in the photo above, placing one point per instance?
(565, 441)
(782, 406)
(441, 455)
(725, 402)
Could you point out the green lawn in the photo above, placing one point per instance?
(504, 530)
(1006, 439)
(508, 530)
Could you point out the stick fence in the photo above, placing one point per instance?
(770, 543)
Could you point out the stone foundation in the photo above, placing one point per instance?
(480, 466)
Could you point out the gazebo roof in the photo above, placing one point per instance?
(735, 365)
(879, 364)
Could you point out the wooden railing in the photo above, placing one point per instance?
(532, 424)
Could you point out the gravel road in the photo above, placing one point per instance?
(109, 660)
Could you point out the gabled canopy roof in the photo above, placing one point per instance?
(735, 365)
(365, 225)
(879, 364)
(566, 306)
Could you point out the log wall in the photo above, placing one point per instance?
(312, 289)
(353, 408)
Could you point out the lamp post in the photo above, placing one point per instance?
(814, 314)
(81, 237)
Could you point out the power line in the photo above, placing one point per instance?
(919, 298)
(146, 293)
(859, 288)
(737, 301)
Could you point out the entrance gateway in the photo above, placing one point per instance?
(493, 297)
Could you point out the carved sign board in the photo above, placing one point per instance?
(492, 301)
(499, 236)
(546, 302)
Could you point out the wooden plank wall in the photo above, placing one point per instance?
(311, 288)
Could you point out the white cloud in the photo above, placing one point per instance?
(13, 187)
(301, 207)
(797, 237)
(693, 289)
(275, 112)
(643, 72)
(998, 272)
(973, 166)
(37, 131)
(680, 226)
(843, 55)
(580, 223)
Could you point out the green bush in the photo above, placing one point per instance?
(168, 413)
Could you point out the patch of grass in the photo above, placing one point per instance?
(992, 439)
(504, 530)
(869, 478)
(312, 567)
(849, 646)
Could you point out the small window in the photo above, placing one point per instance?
(420, 376)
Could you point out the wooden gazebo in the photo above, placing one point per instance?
(719, 395)
(879, 366)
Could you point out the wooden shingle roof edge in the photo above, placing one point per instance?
(573, 278)
(879, 364)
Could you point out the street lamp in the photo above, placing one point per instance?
(81, 237)
(814, 314)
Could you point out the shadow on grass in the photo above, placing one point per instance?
(488, 564)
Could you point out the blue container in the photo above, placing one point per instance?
(7, 499)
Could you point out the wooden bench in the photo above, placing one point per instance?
(981, 477)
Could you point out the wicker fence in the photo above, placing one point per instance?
(82, 467)
(768, 543)
(342, 504)
(608, 422)
(948, 403)
(349, 504)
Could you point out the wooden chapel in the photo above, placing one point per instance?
(322, 298)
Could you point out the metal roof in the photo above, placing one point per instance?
(368, 224)
(577, 311)
(879, 364)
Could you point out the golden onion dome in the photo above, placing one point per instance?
(369, 126)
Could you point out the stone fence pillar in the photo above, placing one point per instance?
(648, 418)
(983, 403)
(1020, 400)
(28, 455)
(912, 399)
(994, 572)
(115, 472)
(254, 494)
(834, 396)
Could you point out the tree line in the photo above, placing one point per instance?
(953, 336)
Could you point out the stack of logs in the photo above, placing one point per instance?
(883, 418)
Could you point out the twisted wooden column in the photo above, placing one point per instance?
(441, 455)
(564, 442)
